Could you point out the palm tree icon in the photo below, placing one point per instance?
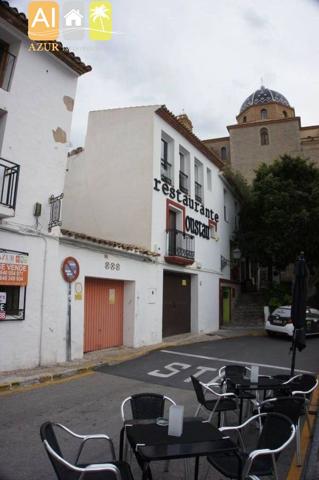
(100, 13)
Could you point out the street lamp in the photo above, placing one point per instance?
(236, 255)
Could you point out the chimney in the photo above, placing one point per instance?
(185, 120)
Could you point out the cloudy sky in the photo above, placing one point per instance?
(203, 57)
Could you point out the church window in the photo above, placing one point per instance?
(284, 113)
(223, 153)
(263, 114)
(245, 119)
(264, 136)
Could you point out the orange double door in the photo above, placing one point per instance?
(103, 314)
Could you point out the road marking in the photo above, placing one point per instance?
(171, 368)
(227, 360)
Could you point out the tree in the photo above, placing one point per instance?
(280, 215)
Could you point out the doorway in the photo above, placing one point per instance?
(176, 304)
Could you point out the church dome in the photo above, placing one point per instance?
(263, 96)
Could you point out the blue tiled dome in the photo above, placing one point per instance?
(263, 96)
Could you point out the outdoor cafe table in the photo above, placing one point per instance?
(151, 442)
(264, 383)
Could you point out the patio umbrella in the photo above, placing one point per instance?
(298, 307)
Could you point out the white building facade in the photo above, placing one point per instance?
(145, 179)
(37, 91)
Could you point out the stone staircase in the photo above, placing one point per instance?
(249, 310)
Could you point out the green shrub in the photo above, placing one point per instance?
(278, 295)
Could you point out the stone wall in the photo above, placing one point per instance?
(247, 153)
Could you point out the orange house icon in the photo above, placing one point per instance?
(43, 21)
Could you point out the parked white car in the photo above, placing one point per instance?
(280, 321)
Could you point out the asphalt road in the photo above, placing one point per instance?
(91, 404)
(174, 366)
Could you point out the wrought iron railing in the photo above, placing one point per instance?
(166, 172)
(198, 192)
(183, 182)
(6, 69)
(9, 179)
(180, 244)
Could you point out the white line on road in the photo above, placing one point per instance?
(227, 360)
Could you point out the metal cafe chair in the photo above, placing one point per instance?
(277, 433)
(143, 406)
(66, 470)
(220, 402)
(293, 408)
(304, 385)
(234, 371)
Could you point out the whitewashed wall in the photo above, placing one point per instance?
(39, 338)
(142, 318)
(35, 108)
(108, 186)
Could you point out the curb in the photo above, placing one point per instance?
(69, 372)
(295, 472)
(45, 379)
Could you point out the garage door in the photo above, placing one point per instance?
(176, 304)
(103, 321)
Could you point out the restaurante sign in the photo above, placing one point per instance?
(183, 199)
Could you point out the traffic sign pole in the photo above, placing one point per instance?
(68, 333)
(70, 272)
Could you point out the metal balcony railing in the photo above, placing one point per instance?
(198, 192)
(183, 182)
(6, 69)
(180, 244)
(9, 179)
(166, 172)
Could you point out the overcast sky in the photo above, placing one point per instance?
(204, 57)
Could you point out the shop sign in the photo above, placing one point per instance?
(175, 194)
(13, 268)
(193, 226)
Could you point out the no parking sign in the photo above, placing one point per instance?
(70, 269)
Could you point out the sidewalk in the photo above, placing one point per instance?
(110, 356)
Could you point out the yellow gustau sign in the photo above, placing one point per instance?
(44, 19)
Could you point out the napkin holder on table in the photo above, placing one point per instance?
(175, 420)
(254, 374)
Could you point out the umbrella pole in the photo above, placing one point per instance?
(293, 360)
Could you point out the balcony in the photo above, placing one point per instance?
(198, 192)
(183, 182)
(6, 69)
(166, 172)
(180, 248)
(9, 178)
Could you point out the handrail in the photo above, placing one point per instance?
(191, 237)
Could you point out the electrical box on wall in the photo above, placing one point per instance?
(37, 209)
(151, 295)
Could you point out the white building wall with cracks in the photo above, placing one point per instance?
(35, 120)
